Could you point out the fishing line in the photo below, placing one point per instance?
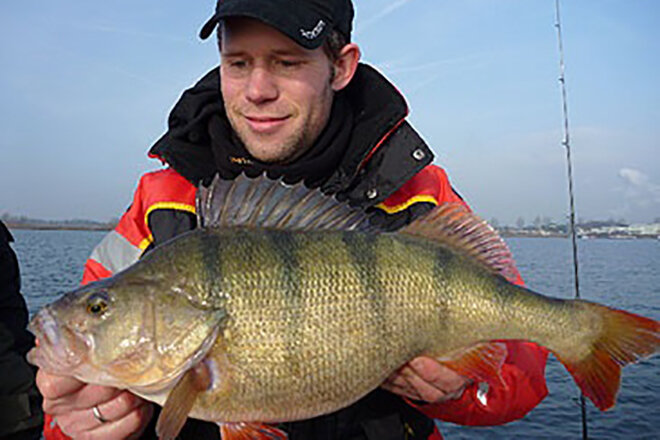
(566, 142)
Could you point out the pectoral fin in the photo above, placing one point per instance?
(180, 401)
(481, 362)
(250, 431)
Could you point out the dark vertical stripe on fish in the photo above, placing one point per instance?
(363, 249)
(443, 263)
(210, 246)
(285, 246)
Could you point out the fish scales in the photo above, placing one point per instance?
(308, 322)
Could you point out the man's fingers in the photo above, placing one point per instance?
(426, 379)
(125, 418)
(63, 394)
(397, 384)
(93, 395)
(405, 382)
(54, 387)
(437, 374)
(84, 398)
(426, 391)
(397, 380)
(118, 407)
(130, 426)
(143, 417)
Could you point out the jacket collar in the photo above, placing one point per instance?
(365, 175)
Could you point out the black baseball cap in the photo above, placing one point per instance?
(307, 22)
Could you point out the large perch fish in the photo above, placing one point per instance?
(287, 305)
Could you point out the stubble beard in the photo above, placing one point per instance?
(284, 151)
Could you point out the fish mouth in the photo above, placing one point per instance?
(58, 349)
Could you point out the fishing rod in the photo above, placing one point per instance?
(566, 142)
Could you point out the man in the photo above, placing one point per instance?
(290, 99)
(20, 404)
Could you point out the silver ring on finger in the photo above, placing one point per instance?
(97, 414)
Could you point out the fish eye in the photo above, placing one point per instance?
(97, 304)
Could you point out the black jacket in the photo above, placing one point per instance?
(20, 403)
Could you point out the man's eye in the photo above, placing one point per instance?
(289, 63)
(237, 64)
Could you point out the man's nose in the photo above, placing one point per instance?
(261, 86)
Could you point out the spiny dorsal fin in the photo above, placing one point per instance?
(454, 226)
(265, 203)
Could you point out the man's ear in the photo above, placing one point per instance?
(345, 66)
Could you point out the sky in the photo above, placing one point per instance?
(86, 88)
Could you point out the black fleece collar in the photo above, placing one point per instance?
(314, 167)
(199, 142)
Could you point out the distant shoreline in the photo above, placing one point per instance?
(525, 234)
(46, 227)
(506, 233)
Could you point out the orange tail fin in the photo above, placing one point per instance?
(625, 338)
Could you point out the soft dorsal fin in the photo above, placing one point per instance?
(265, 203)
(454, 226)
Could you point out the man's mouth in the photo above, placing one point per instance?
(266, 124)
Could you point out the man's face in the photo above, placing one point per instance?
(277, 94)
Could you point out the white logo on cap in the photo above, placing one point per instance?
(310, 35)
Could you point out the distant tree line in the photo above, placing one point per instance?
(546, 227)
(25, 222)
(545, 222)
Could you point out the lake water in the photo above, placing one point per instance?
(623, 274)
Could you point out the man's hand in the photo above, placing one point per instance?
(426, 379)
(71, 404)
